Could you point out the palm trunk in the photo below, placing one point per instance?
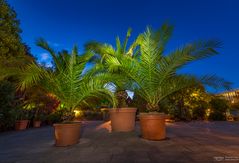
(122, 98)
(152, 107)
(68, 115)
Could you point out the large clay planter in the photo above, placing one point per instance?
(122, 119)
(153, 126)
(21, 124)
(36, 124)
(67, 133)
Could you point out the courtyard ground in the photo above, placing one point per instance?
(186, 142)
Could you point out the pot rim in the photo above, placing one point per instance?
(128, 109)
(123, 108)
(152, 115)
(67, 124)
(22, 120)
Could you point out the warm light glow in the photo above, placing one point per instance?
(106, 125)
(194, 94)
(78, 113)
(208, 112)
(62, 105)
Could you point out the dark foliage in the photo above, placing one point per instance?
(219, 107)
(121, 98)
(7, 110)
(139, 103)
(199, 111)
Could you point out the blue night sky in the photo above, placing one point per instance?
(66, 22)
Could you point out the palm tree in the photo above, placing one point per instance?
(66, 80)
(155, 74)
(123, 117)
(103, 53)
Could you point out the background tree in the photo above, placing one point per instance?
(188, 103)
(13, 53)
(10, 40)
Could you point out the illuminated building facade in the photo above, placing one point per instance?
(232, 96)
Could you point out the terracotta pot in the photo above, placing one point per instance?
(153, 126)
(36, 124)
(21, 124)
(122, 119)
(67, 133)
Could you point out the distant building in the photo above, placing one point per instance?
(232, 96)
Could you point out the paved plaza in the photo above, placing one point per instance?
(186, 142)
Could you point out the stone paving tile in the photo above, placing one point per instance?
(121, 159)
(170, 158)
(187, 142)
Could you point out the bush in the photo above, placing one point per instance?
(23, 114)
(235, 106)
(217, 116)
(55, 117)
(7, 110)
(199, 112)
(187, 104)
(218, 107)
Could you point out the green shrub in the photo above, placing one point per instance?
(217, 116)
(7, 110)
(40, 117)
(199, 112)
(23, 114)
(55, 117)
(235, 106)
(219, 108)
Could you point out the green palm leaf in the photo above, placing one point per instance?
(155, 74)
(67, 82)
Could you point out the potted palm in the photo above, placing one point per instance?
(155, 75)
(21, 124)
(38, 119)
(67, 82)
(37, 122)
(22, 121)
(122, 117)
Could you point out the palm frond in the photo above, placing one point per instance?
(155, 75)
(31, 75)
(126, 40)
(68, 83)
(44, 45)
(215, 82)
